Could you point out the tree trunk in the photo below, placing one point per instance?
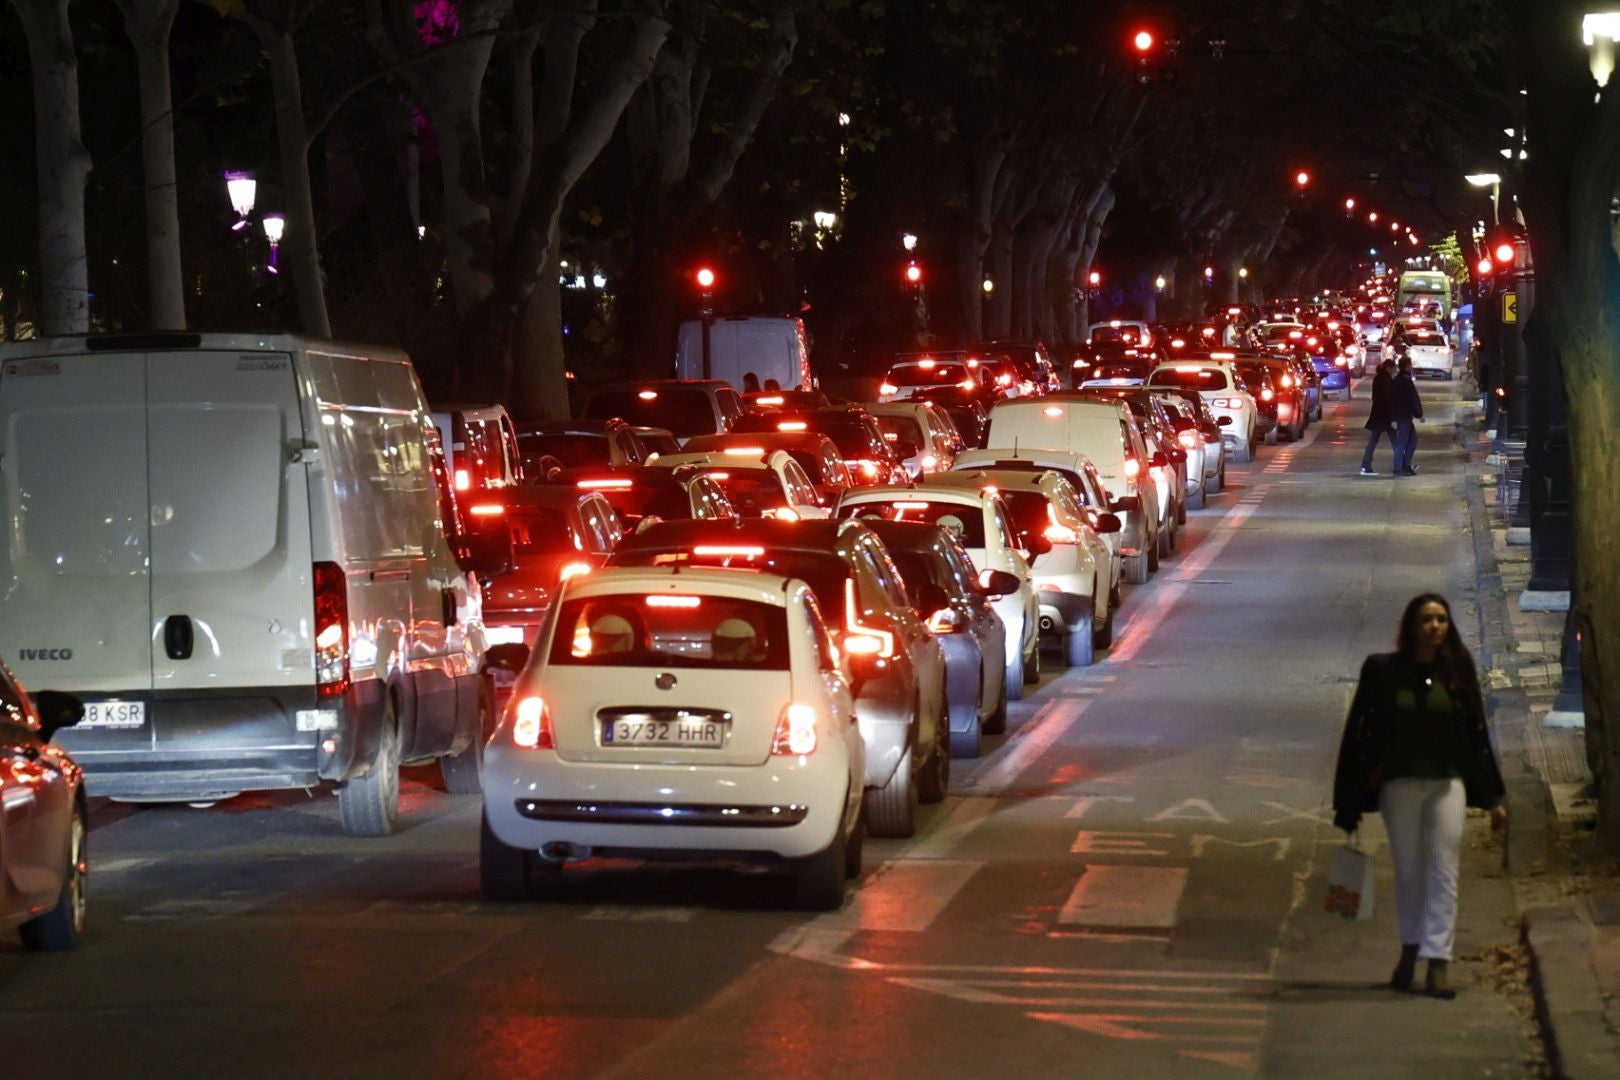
(538, 365)
(999, 261)
(149, 24)
(299, 242)
(968, 273)
(63, 167)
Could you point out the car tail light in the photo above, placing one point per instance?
(1188, 438)
(795, 731)
(1284, 411)
(965, 384)
(888, 388)
(864, 467)
(1266, 394)
(726, 550)
(771, 400)
(605, 485)
(929, 461)
(331, 630)
(792, 425)
(573, 570)
(671, 600)
(780, 513)
(463, 480)
(1003, 380)
(1287, 381)
(856, 642)
(487, 510)
(1133, 468)
(745, 451)
(1341, 361)
(531, 724)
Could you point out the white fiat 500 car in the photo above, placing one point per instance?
(770, 485)
(1071, 563)
(671, 713)
(980, 522)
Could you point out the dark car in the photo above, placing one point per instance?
(867, 454)
(1293, 405)
(945, 592)
(638, 492)
(685, 407)
(1032, 359)
(1257, 376)
(900, 700)
(576, 443)
(965, 408)
(43, 819)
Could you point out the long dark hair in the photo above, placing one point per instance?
(1456, 663)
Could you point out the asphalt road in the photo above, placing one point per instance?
(1127, 884)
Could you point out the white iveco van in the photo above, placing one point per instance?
(240, 551)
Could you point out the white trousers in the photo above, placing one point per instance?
(1424, 819)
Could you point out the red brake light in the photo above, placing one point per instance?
(888, 388)
(573, 570)
(667, 600)
(1188, 438)
(795, 731)
(487, 510)
(792, 425)
(463, 480)
(331, 630)
(1266, 394)
(862, 640)
(1133, 468)
(965, 384)
(531, 724)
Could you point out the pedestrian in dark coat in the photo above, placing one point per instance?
(1379, 424)
(1416, 748)
(1406, 409)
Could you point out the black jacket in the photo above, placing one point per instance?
(1404, 403)
(1369, 733)
(1379, 418)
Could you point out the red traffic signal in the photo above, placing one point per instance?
(1095, 278)
(1504, 253)
(1484, 267)
(1144, 41)
(913, 274)
(705, 277)
(1302, 179)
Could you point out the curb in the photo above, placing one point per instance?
(1580, 1045)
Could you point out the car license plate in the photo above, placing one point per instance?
(114, 714)
(698, 732)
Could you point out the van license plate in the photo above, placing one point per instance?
(695, 733)
(114, 714)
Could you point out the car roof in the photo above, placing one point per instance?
(1000, 479)
(739, 584)
(818, 536)
(924, 492)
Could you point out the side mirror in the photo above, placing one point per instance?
(57, 710)
(998, 582)
(486, 547)
(1159, 460)
(1130, 504)
(510, 658)
(1034, 544)
(1223, 421)
(947, 620)
(906, 449)
(1108, 523)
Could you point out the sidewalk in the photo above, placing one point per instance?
(1568, 893)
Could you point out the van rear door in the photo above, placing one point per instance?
(73, 492)
(232, 595)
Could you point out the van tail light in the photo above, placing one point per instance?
(1266, 394)
(463, 479)
(865, 645)
(331, 630)
(795, 731)
(1284, 411)
(531, 724)
(1061, 534)
(1189, 439)
(1133, 468)
(573, 570)
(888, 388)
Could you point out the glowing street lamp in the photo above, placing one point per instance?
(908, 241)
(242, 188)
(1372, 218)
(1209, 273)
(1243, 272)
(1599, 31)
(275, 225)
(1159, 283)
(988, 286)
(1494, 182)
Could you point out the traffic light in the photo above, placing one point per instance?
(913, 274)
(1485, 267)
(705, 278)
(1302, 179)
(1146, 44)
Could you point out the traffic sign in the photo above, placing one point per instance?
(1510, 307)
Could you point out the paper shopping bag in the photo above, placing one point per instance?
(1350, 891)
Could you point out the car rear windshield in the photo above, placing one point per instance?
(681, 410)
(750, 490)
(1115, 333)
(668, 502)
(670, 630)
(966, 522)
(538, 530)
(572, 450)
(1424, 337)
(931, 374)
(900, 429)
(1210, 378)
(1119, 369)
(824, 572)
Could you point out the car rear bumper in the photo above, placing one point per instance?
(787, 808)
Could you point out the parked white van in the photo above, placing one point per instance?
(740, 345)
(240, 551)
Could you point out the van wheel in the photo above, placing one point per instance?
(60, 928)
(1219, 481)
(369, 804)
(505, 874)
(1102, 635)
(1271, 437)
(853, 848)
(818, 881)
(1078, 643)
(1032, 662)
(463, 774)
(935, 780)
(1012, 682)
(1197, 500)
(891, 810)
(1136, 568)
(967, 744)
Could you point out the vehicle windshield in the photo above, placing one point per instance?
(1128, 334)
(928, 373)
(966, 522)
(538, 530)
(573, 450)
(900, 429)
(667, 502)
(1119, 369)
(750, 490)
(1203, 378)
(670, 630)
(824, 572)
(681, 410)
(1424, 337)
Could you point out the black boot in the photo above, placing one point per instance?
(1406, 970)
(1438, 984)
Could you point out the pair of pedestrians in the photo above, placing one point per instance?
(1396, 408)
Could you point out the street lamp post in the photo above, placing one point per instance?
(1494, 182)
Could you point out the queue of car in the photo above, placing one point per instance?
(693, 623)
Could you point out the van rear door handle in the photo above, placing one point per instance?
(178, 638)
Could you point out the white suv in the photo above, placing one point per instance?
(678, 711)
(1219, 384)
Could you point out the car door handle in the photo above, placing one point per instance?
(178, 639)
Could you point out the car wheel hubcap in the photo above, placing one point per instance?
(78, 870)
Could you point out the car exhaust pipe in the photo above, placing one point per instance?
(562, 851)
(1048, 626)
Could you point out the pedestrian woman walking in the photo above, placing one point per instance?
(1417, 750)
(1405, 408)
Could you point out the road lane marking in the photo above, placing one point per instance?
(903, 896)
(1027, 745)
(1126, 897)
